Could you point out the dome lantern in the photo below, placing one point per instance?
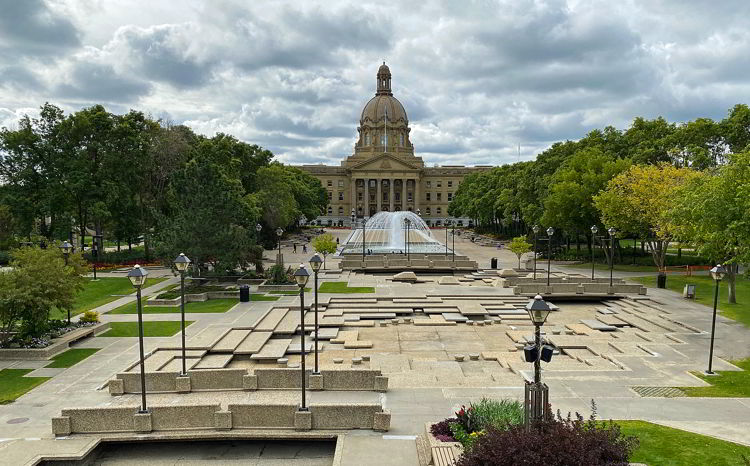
(384, 80)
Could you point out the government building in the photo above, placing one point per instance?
(383, 174)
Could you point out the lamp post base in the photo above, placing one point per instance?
(536, 400)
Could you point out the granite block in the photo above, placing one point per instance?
(255, 416)
(249, 382)
(344, 416)
(116, 387)
(94, 420)
(183, 384)
(382, 421)
(381, 383)
(315, 382)
(216, 379)
(180, 417)
(61, 425)
(142, 422)
(223, 420)
(349, 379)
(302, 420)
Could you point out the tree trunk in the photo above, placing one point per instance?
(732, 270)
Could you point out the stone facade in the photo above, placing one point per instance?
(383, 174)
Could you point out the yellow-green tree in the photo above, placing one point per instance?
(637, 202)
(324, 244)
(519, 246)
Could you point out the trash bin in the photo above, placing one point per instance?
(661, 281)
(244, 294)
(493, 263)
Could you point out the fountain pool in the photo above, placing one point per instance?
(386, 233)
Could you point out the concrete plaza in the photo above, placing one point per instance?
(659, 339)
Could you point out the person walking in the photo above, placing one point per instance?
(294, 246)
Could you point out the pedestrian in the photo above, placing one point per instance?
(294, 245)
(304, 248)
(337, 241)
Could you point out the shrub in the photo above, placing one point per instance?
(557, 442)
(90, 317)
(500, 414)
(278, 276)
(442, 430)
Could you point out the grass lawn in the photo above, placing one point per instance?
(601, 268)
(726, 384)
(71, 357)
(210, 306)
(704, 293)
(260, 297)
(101, 291)
(154, 328)
(13, 383)
(341, 287)
(661, 445)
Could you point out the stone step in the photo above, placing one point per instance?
(230, 341)
(273, 349)
(272, 318)
(175, 365)
(288, 324)
(214, 361)
(253, 342)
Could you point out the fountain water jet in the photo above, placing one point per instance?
(386, 234)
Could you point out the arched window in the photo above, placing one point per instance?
(402, 140)
(330, 210)
(367, 139)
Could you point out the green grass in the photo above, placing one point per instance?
(210, 306)
(260, 297)
(99, 292)
(71, 357)
(726, 384)
(666, 446)
(704, 293)
(13, 383)
(602, 268)
(341, 287)
(154, 328)
(287, 293)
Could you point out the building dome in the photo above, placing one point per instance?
(383, 103)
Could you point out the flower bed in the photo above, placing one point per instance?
(48, 346)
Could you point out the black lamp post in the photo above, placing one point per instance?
(315, 262)
(407, 222)
(95, 250)
(447, 224)
(594, 231)
(66, 248)
(453, 236)
(535, 229)
(137, 277)
(279, 232)
(301, 276)
(364, 233)
(717, 273)
(181, 264)
(538, 310)
(611, 232)
(550, 232)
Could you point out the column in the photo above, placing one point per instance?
(390, 196)
(366, 210)
(353, 198)
(416, 194)
(379, 194)
(404, 202)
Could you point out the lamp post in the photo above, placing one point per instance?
(279, 232)
(407, 222)
(594, 231)
(447, 224)
(611, 232)
(535, 229)
(364, 232)
(315, 262)
(550, 232)
(301, 276)
(538, 310)
(453, 236)
(181, 264)
(717, 273)
(137, 277)
(66, 248)
(95, 251)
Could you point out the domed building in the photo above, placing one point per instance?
(383, 174)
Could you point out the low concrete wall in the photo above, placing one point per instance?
(183, 417)
(351, 379)
(216, 379)
(253, 416)
(280, 378)
(57, 345)
(155, 381)
(344, 416)
(278, 288)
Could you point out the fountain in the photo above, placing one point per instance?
(386, 234)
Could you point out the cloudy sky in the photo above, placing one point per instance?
(477, 78)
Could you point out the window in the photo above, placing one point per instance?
(427, 196)
(402, 140)
(428, 211)
(450, 197)
(450, 184)
(429, 184)
(330, 211)
(439, 184)
(359, 196)
(341, 211)
(341, 195)
(438, 211)
(382, 139)
(397, 196)
(341, 183)
(373, 184)
(330, 195)
(408, 197)
(439, 196)
(330, 183)
(367, 139)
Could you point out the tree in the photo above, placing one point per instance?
(519, 247)
(711, 212)
(324, 244)
(38, 281)
(637, 202)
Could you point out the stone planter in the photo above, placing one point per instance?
(265, 288)
(57, 345)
